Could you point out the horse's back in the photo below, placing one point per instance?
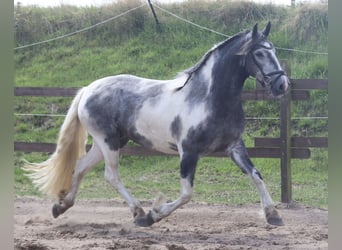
(134, 83)
(122, 106)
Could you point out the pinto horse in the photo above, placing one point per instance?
(197, 113)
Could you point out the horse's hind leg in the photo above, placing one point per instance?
(83, 165)
(241, 158)
(112, 176)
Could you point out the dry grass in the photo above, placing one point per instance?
(309, 22)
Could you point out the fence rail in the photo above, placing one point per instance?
(285, 147)
(258, 94)
(257, 152)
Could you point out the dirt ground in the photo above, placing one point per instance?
(108, 224)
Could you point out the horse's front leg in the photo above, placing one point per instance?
(240, 156)
(161, 210)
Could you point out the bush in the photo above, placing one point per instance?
(309, 23)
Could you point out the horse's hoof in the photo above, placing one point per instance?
(275, 221)
(144, 221)
(138, 212)
(56, 211)
(273, 217)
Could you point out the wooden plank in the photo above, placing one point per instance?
(251, 95)
(142, 151)
(263, 94)
(300, 153)
(300, 95)
(265, 152)
(296, 153)
(253, 152)
(310, 142)
(296, 142)
(71, 91)
(309, 83)
(258, 94)
(29, 147)
(45, 91)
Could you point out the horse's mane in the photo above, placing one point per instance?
(202, 61)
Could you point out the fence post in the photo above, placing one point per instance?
(285, 146)
(155, 16)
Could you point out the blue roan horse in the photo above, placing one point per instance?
(198, 112)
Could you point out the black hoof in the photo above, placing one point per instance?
(144, 221)
(275, 221)
(273, 217)
(56, 210)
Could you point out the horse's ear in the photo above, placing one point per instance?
(255, 32)
(267, 29)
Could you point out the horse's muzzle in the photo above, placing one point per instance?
(280, 86)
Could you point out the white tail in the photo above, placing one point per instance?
(53, 176)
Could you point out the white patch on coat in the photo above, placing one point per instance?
(207, 70)
(155, 119)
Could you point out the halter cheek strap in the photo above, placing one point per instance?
(266, 76)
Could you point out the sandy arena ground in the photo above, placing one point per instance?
(108, 224)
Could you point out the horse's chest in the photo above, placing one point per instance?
(213, 135)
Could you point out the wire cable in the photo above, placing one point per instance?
(247, 118)
(222, 34)
(187, 21)
(82, 30)
(163, 10)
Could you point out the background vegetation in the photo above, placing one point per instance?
(131, 44)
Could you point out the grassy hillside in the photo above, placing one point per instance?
(131, 44)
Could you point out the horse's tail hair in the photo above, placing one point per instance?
(53, 176)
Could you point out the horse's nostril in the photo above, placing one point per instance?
(282, 87)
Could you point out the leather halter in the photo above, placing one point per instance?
(267, 80)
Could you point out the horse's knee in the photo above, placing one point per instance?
(111, 177)
(256, 177)
(186, 191)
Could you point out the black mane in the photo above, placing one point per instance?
(202, 61)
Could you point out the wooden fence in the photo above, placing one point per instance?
(285, 147)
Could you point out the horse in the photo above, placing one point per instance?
(196, 113)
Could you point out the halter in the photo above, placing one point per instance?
(267, 77)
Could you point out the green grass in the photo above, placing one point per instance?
(132, 45)
(217, 180)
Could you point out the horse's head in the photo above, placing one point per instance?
(261, 61)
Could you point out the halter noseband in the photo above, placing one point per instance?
(266, 77)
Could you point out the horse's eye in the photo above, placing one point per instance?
(259, 54)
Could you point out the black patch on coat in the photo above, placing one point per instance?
(225, 123)
(173, 146)
(245, 163)
(188, 166)
(114, 108)
(198, 91)
(176, 127)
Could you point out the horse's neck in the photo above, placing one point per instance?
(228, 76)
(222, 79)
